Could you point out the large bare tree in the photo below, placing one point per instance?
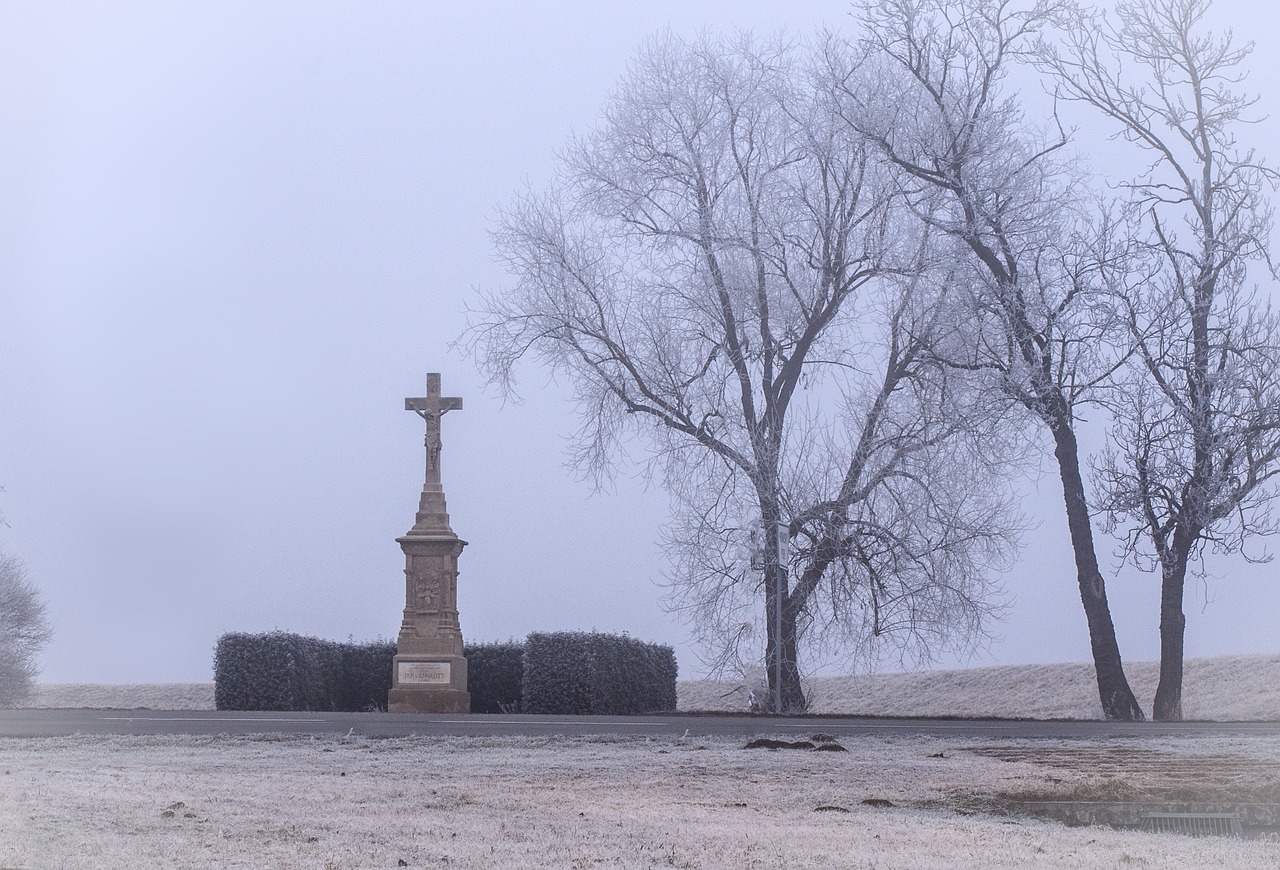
(722, 270)
(1196, 441)
(1004, 197)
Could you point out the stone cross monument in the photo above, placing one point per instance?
(429, 673)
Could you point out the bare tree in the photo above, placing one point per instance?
(720, 271)
(24, 631)
(979, 175)
(1196, 442)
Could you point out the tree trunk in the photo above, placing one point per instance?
(793, 699)
(780, 620)
(781, 636)
(1118, 701)
(1173, 625)
(1168, 704)
(1173, 573)
(792, 694)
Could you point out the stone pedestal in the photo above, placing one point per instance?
(429, 673)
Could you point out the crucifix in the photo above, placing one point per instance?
(429, 670)
(431, 408)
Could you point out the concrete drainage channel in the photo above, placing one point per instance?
(1135, 788)
(1194, 824)
(1252, 821)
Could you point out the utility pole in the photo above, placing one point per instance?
(780, 583)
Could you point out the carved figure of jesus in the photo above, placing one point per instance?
(431, 408)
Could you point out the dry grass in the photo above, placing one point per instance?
(108, 696)
(574, 803)
(1226, 688)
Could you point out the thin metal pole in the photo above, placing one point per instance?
(779, 580)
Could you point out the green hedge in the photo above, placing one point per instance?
(277, 670)
(366, 675)
(273, 671)
(563, 672)
(495, 672)
(580, 673)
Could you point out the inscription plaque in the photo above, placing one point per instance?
(425, 672)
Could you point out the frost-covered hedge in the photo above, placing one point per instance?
(597, 674)
(272, 671)
(565, 672)
(366, 675)
(495, 673)
(277, 670)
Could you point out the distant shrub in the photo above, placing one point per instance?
(596, 674)
(495, 673)
(278, 670)
(24, 631)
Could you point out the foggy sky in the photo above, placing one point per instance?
(237, 235)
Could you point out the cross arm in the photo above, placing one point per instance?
(420, 405)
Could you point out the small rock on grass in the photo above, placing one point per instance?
(171, 811)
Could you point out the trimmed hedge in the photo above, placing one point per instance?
(278, 670)
(596, 674)
(495, 672)
(366, 675)
(562, 672)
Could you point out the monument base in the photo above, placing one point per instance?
(429, 684)
(421, 700)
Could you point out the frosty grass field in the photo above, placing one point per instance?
(273, 801)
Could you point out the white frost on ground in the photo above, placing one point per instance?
(1225, 689)
(244, 802)
(274, 801)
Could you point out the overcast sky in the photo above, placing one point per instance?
(236, 235)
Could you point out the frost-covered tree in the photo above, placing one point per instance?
(926, 82)
(24, 631)
(1196, 441)
(723, 270)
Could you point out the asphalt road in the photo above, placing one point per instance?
(59, 723)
